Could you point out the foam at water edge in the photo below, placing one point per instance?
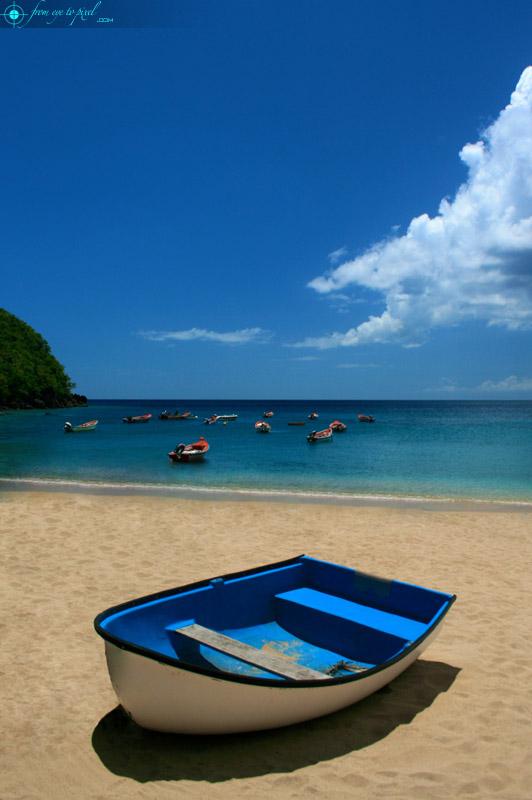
(230, 493)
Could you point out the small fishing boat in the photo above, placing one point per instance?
(325, 435)
(262, 427)
(365, 418)
(190, 452)
(227, 417)
(267, 414)
(211, 420)
(337, 426)
(140, 418)
(177, 415)
(265, 647)
(313, 415)
(297, 423)
(85, 426)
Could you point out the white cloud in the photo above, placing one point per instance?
(472, 261)
(510, 384)
(507, 385)
(337, 255)
(356, 366)
(448, 386)
(244, 336)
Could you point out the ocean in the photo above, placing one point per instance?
(437, 449)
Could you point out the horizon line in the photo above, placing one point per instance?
(315, 400)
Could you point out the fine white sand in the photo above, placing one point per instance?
(456, 724)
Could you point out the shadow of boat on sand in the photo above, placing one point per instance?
(128, 750)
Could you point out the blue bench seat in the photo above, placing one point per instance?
(337, 607)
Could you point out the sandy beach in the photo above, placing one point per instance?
(456, 724)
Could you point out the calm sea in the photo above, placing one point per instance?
(479, 450)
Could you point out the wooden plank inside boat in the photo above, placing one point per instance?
(251, 655)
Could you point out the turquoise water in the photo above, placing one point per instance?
(478, 450)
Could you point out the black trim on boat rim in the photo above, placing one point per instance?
(228, 676)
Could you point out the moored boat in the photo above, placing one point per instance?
(211, 420)
(190, 452)
(262, 427)
(297, 423)
(85, 426)
(227, 417)
(337, 426)
(139, 418)
(176, 415)
(265, 647)
(365, 418)
(313, 415)
(267, 414)
(320, 436)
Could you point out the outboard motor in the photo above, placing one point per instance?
(68, 427)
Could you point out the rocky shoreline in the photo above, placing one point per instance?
(72, 401)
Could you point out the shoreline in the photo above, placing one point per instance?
(435, 503)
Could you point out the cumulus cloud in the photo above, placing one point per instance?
(337, 255)
(244, 336)
(510, 384)
(507, 385)
(472, 261)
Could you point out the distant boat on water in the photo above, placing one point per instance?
(219, 417)
(268, 414)
(189, 452)
(177, 415)
(262, 427)
(139, 418)
(297, 423)
(365, 418)
(313, 415)
(85, 426)
(337, 426)
(325, 435)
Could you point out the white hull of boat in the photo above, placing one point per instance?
(172, 700)
(194, 455)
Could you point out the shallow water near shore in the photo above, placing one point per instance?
(439, 449)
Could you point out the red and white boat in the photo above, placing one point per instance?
(268, 414)
(85, 426)
(190, 452)
(140, 418)
(365, 418)
(211, 420)
(320, 436)
(337, 426)
(262, 427)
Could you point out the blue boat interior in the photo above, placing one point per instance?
(318, 615)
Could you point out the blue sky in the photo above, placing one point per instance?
(233, 206)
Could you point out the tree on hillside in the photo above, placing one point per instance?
(30, 376)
